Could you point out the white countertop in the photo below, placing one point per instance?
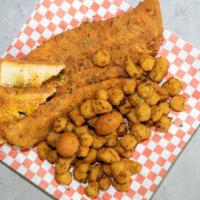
(183, 181)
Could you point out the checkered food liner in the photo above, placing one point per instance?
(157, 154)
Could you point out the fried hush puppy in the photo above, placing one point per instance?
(108, 123)
(67, 145)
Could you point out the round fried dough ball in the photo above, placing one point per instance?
(108, 123)
(143, 112)
(67, 145)
(145, 90)
(173, 86)
(160, 69)
(104, 183)
(129, 86)
(115, 96)
(141, 132)
(101, 58)
(147, 63)
(43, 150)
(177, 103)
(59, 124)
(64, 179)
(87, 109)
(92, 190)
(101, 94)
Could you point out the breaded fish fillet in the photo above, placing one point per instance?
(34, 128)
(134, 33)
(86, 77)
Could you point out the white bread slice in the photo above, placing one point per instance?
(17, 103)
(20, 73)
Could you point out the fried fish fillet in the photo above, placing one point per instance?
(134, 33)
(15, 103)
(34, 128)
(88, 76)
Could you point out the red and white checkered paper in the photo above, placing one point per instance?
(157, 154)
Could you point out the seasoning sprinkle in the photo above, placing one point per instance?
(85, 42)
(75, 106)
(69, 90)
(69, 80)
(94, 79)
